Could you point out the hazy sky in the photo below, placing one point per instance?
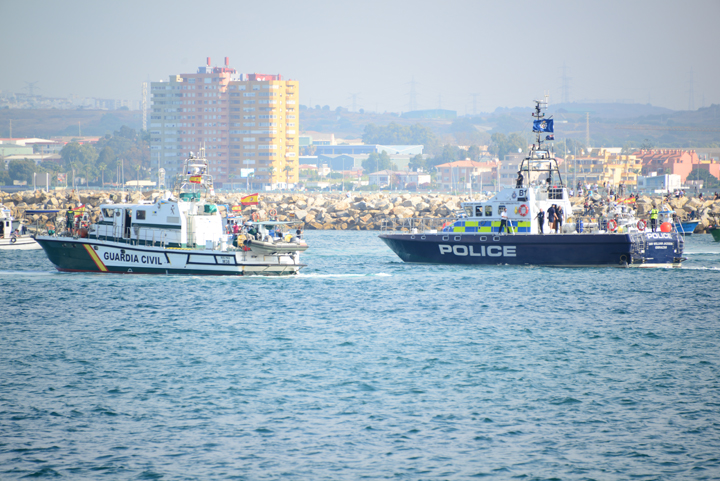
(506, 52)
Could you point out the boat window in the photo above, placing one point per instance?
(469, 210)
(140, 214)
(488, 210)
(108, 213)
(501, 208)
(478, 211)
(555, 193)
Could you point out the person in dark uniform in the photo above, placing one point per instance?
(519, 180)
(551, 216)
(70, 220)
(559, 218)
(541, 220)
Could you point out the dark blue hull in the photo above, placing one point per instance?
(647, 249)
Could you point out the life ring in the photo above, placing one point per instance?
(523, 210)
(272, 213)
(255, 216)
(612, 225)
(641, 224)
(13, 240)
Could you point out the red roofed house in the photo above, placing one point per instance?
(711, 166)
(668, 161)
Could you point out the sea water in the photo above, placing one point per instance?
(362, 367)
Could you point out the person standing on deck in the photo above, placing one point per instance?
(551, 216)
(70, 220)
(653, 218)
(503, 220)
(559, 218)
(541, 220)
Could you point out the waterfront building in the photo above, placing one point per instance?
(399, 179)
(462, 174)
(603, 166)
(359, 149)
(248, 124)
(668, 161)
(508, 170)
(676, 161)
(659, 183)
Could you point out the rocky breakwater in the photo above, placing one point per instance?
(357, 212)
(686, 208)
(19, 202)
(360, 211)
(317, 211)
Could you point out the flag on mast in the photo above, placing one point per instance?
(544, 125)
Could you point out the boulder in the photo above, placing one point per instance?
(301, 214)
(339, 206)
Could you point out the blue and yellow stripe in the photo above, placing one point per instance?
(482, 226)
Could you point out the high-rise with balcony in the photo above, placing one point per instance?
(248, 123)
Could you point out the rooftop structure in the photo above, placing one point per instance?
(368, 149)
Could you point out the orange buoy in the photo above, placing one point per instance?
(666, 227)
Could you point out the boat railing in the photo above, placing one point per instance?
(416, 224)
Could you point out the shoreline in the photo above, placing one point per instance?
(338, 211)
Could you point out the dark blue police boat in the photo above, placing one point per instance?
(506, 229)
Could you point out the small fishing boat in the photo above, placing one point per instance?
(715, 231)
(687, 227)
(13, 233)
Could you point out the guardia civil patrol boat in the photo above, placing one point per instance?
(179, 233)
(512, 227)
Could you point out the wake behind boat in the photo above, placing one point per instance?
(511, 228)
(179, 233)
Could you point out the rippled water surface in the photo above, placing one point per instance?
(362, 367)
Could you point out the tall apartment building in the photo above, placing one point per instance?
(244, 121)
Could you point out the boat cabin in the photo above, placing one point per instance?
(189, 222)
(521, 205)
(6, 222)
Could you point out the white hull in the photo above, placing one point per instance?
(21, 243)
(92, 255)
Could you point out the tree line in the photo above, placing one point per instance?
(122, 155)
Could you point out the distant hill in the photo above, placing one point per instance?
(603, 110)
(48, 123)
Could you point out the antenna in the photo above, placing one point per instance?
(474, 96)
(144, 104)
(31, 88)
(565, 89)
(691, 92)
(587, 130)
(413, 95)
(354, 98)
